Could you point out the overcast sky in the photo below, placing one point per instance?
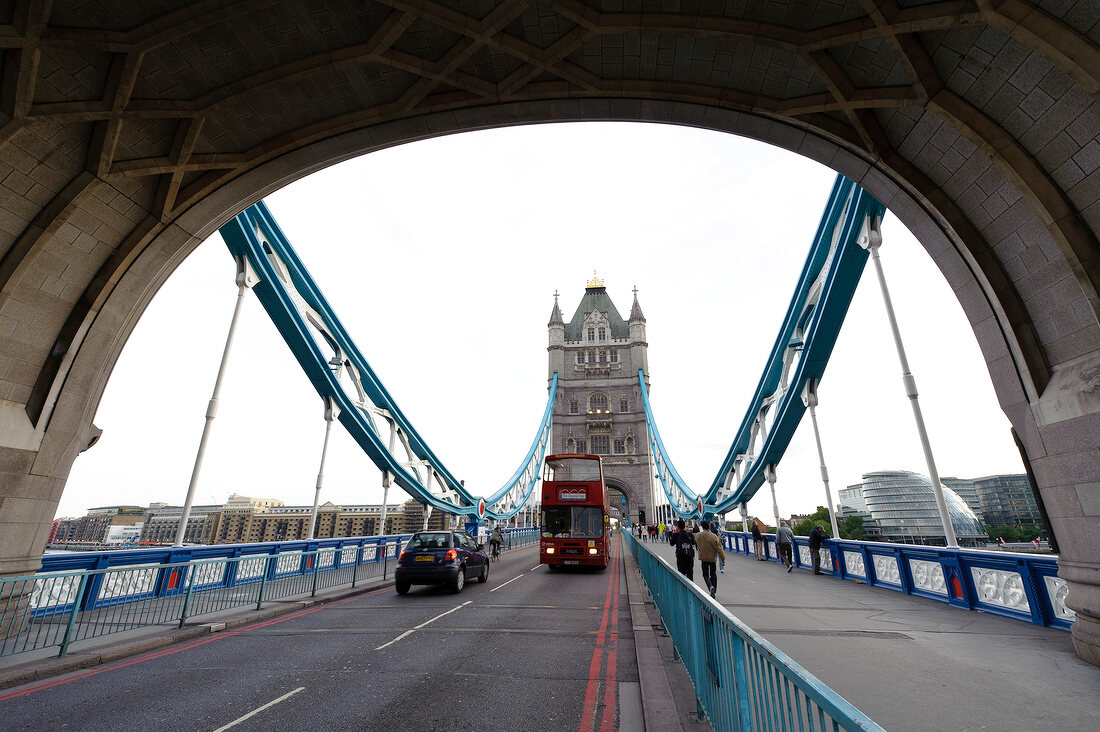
(441, 259)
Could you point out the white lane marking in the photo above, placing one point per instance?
(407, 633)
(534, 568)
(260, 709)
(507, 583)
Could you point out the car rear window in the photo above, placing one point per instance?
(430, 541)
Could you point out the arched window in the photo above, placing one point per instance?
(574, 407)
(597, 401)
(603, 335)
(570, 445)
(624, 405)
(591, 334)
(603, 357)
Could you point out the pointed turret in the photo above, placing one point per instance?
(555, 314)
(556, 326)
(636, 310)
(638, 345)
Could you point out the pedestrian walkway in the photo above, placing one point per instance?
(910, 663)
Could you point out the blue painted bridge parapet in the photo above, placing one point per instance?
(1019, 586)
(83, 595)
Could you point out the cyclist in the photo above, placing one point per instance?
(495, 540)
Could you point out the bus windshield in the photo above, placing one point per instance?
(578, 469)
(577, 522)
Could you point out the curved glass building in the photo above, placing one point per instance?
(900, 506)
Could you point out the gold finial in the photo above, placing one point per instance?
(595, 281)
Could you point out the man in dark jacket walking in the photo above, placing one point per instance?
(684, 543)
(817, 536)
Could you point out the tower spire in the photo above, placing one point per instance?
(636, 309)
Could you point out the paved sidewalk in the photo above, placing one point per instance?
(911, 663)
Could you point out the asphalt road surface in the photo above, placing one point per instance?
(530, 649)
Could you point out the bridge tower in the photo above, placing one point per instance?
(598, 409)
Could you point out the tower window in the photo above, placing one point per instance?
(624, 405)
(582, 445)
(574, 407)
(614, 357)
(620, 447)
(601, 444)
(603, 357)
(591, 334)
(597, 401)
(603, 335)
(580, 357)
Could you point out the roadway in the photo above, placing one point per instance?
(530, 649)
(910, 663)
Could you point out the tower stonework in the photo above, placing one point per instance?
(598, 408)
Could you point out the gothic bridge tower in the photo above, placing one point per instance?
(598, 409)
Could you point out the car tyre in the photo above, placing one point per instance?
(402, 587)
(484, 576)
(460, 580)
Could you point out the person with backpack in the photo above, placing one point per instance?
(684, 543)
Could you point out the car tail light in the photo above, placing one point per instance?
(401, 557)
(451, 555)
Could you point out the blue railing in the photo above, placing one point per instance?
(1020, 586)
(91, 594)
(742, 682)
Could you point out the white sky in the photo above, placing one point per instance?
(441, 259)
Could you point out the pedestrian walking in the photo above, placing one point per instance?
(684, 543)
(817, 537)
(757, 541)
(710, 549)
(784, 537)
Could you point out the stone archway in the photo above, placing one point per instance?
(130, 136)
(619, 501)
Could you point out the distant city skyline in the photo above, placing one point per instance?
(446, 282)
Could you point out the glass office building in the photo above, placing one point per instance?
(900, 506)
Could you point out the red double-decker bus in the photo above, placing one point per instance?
(575, 518)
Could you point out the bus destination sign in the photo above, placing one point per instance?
(573, 494)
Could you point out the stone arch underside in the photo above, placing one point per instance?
(127, 137)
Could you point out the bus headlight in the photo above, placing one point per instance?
(549, 550)
(592, 550)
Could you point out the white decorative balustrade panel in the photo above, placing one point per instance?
(347, 555)
(997, 587)
(205, 574)
(370, 553)
(53, 591)
(853, 563)
(1058, 591)
(928, 576)
(131, 581)
(326, 559)
(886, 569)
(288, 563)
(251, 568)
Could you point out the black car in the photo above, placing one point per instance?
(441, 557)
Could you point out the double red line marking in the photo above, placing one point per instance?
(607, 637)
